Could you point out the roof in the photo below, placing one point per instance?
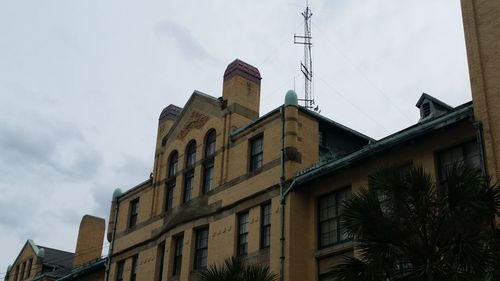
(459, 113)
(99, 264)
(315, 115)
(57, 257)
(425, 96)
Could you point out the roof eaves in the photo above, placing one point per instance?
(135, 188)
(239, 131)
(381, 145)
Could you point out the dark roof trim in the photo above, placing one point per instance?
(461, 113)
(241, 130)
(335, 124)
(148, 181)
(85, 269)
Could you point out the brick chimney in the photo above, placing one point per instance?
(241, 89)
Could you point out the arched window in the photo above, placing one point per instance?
(171, 177)
(189, 171)
(208, 162)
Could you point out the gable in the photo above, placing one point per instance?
(195, 116)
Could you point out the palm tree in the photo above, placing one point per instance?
(406, 227)
(234, 269)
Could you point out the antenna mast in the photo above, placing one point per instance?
(306, 65)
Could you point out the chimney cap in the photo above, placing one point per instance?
(241, 68)
(170, 112)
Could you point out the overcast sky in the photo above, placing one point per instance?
(82, 84)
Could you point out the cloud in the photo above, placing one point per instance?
(54, 148)
(186, 42)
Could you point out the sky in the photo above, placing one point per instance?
(82, 84)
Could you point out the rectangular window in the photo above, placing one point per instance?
(169, 195)
(466, 154)
(188, 185)
(329, 212)
(120, 266)
(243, 234)
(23, 268)
(201, 251)
(134, 209)
(177, 255)
(133, 269)
(256, 153)
(28, 270)
(160, 259)
(265, 225)
(208, 176)
(16, 277)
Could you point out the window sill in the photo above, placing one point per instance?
(335, 249)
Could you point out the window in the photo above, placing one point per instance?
(243, 234)
(169, 196)
(256, 153)
(28, 270)
(23, 267)
(160, 254)
(466, 154)
(177, 255)
(201, 251)
(189, 171)
(170, 186)
(16, 277)
(188, 186)
(134, 208)
(208, 162)
(265, 225)
(191, 154)
(133, 270)
(329, 212)
(120, 266)
(172, 164)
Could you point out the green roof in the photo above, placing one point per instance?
(462, 112)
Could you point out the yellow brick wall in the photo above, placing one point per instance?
(481, 20)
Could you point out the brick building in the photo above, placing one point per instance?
(228, 181)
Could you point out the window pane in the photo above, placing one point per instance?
(210, 144)
(172, 165)
(188, 186)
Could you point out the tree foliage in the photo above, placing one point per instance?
(406, 227)
(235, 269)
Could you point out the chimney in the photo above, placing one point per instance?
(167, 118)
(90, 239)
(241, 89)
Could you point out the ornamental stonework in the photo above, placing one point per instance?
(195, 121)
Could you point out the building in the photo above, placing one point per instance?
(230, 182)
(39, 263)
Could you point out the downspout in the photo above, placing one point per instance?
(478, 126)
(110, 250)
(282, 197)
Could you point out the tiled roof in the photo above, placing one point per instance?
(239, 67)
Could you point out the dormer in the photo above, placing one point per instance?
(430, 107)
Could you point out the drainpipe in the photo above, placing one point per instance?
(110, 250)
(478, 126)
(282, 198)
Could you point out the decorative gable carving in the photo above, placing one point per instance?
(195, 121)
